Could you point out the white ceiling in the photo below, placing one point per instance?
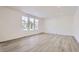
(47, 11)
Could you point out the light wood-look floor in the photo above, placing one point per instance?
(41, 43)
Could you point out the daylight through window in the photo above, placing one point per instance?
(29, 23)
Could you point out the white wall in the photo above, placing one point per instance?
(76, 25)
(10, 24)
(59, 25)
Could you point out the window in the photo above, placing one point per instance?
(25, 22)
(29, 23)
(36, 24)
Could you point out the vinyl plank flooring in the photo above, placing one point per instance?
(41, 43)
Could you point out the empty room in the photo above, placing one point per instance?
(39, 29)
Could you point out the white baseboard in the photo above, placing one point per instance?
(21, 36)
(61, 34)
